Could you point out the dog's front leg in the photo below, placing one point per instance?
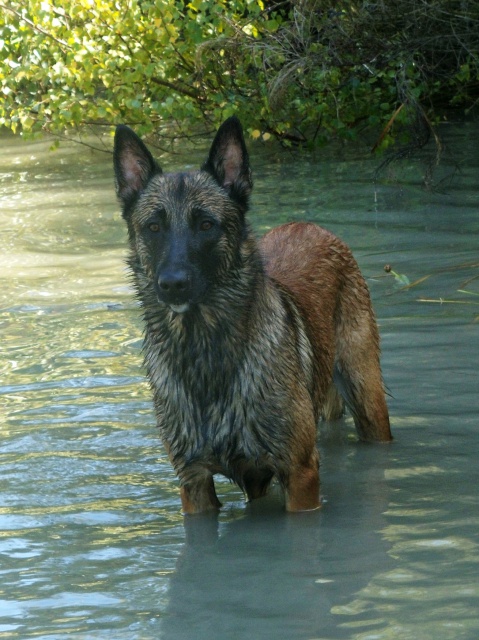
(302, 486)
(199, 495)
(300, 475)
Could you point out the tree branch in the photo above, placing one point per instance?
(183, 90)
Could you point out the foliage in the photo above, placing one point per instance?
(77, 62)
(302, 71)
(346, 67)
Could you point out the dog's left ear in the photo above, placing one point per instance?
(228, 161)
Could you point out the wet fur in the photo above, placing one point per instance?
(243, 340)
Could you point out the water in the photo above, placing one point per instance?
(92, 541)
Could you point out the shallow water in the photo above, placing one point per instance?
(92, 541)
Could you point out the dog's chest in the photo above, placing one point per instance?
(216, 409)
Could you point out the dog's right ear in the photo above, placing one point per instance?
(133, 163)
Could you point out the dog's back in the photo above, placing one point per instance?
(320, 272)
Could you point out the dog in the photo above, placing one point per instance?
(247, 343)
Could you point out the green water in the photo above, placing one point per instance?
(92, 541)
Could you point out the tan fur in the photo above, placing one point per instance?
(324, 279)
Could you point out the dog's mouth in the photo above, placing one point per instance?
(179, 308)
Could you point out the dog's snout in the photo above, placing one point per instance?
(174, 286)
(173, 281)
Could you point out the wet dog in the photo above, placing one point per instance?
(247, 344)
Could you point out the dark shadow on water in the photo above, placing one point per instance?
(274, 575)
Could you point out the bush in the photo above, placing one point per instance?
(301, 71)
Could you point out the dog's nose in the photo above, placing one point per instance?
(173, 283)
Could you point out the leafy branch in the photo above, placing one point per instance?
(301, 72)
(34, 26)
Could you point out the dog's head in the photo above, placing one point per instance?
(186, 229)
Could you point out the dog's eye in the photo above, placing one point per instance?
(154, 227)
(206, 225)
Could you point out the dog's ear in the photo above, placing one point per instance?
(133, 163)
(228, 161)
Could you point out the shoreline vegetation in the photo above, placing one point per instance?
(303, 73)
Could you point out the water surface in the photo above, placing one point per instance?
(92, 540)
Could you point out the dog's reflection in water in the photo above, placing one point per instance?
(276, 575)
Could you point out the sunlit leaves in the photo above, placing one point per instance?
(291, 70)
(94, 61)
